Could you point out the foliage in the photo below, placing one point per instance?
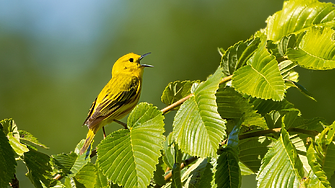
(237, 122)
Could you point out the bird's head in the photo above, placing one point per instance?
(130, 64)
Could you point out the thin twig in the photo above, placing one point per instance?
(57, 177)
(173, 105)
(226, 79)
(121, 123)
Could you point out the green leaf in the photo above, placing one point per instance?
(176, 176)
(237, 55)
(281, 166)
(81, 160)
(299, 144)
(286, 70)
(297, 16)
(261, 78)
(39, 168)
(228, 173)
(10, 127)
(16, 145)
(159, 173)
(321, 155)
(316, 49)
(169, 151)
(198, 127)
(86, 177)
(70, 164)
(265, 106)
(231, 104)
(252, 151)
(64, 162)
(24, 135)
(101, 180)
(7, 160)
(301, 89)
(176, 90)
(128, 157)
(193, 176)
(244, 169)
(293, 119)
(207, 176)
(312, 156)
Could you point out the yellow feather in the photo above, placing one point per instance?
(118, 97)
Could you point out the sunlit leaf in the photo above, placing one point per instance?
(16, 145)
(261, 77)
(10, 127)
(321, 155)
(286, 70)
(128, 157)
(312, 156)
(198, 127)
(7, 160)
(101, 180)
(86, 177)
(281, 166)
(298, 15)
(316, 49)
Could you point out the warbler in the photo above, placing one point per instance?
(118, 97)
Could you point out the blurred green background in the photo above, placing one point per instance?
(55, 57)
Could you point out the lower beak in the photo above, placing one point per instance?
(144, 65)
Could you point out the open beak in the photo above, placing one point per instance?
(142, 56)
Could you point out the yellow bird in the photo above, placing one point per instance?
(118, 97)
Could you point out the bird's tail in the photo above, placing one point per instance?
(88, 141)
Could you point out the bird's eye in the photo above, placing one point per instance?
(131, 60)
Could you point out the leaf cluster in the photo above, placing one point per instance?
(237, 122)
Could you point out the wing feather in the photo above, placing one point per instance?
(125, 94)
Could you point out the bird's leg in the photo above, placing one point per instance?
(121, 123)
(103, 130)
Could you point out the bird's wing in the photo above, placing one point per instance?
(91, 110)
(113, 101)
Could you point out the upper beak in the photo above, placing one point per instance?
(142, 56)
